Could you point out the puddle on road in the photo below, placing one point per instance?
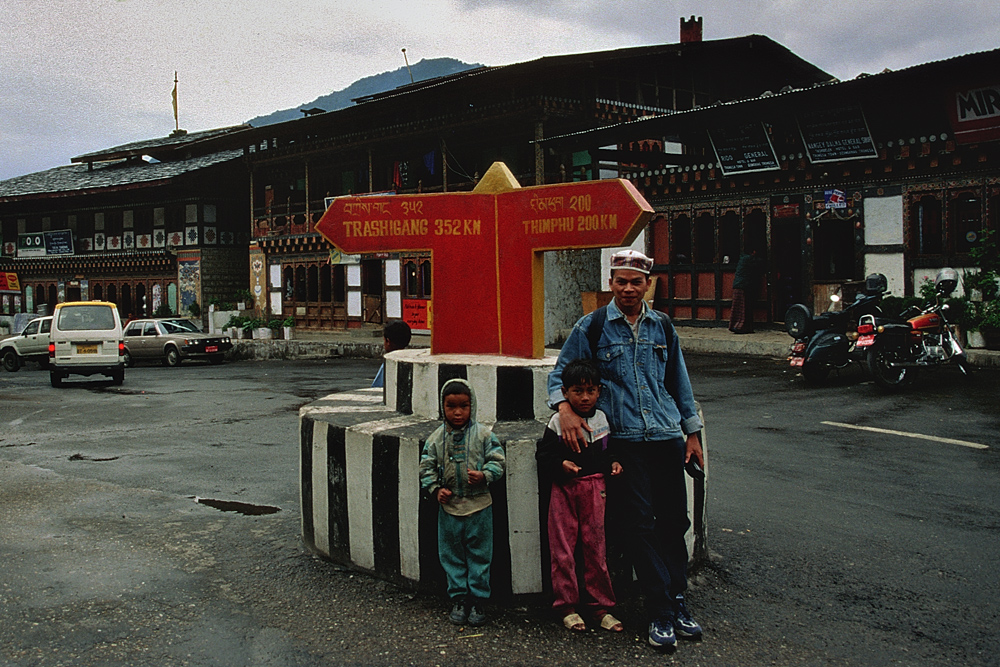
(84, 457)
(247, 509)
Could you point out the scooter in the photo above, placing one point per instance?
(827, 341)
(923, 338)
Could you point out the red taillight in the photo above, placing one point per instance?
(52, 350)
(121, 349)
(866, 328)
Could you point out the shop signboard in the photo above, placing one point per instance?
(742, 149)
(9, 282)
(832, 135)
(45, 244)
(975, 113)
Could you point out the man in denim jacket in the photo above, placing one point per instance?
(648, 400)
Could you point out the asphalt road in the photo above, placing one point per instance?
(831, 546)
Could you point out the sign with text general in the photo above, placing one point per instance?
(831, 135)
(742, 149)
(487, 249)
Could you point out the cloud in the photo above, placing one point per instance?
(79, 75)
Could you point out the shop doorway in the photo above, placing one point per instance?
(786, 246)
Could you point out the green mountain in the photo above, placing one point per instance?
(370, 85)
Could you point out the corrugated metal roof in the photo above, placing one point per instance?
(80, 177)
(980, 61)
(158, 146)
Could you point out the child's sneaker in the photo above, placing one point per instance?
(477, 616)
(458, 615)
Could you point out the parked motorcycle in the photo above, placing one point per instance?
(827, 341)
(922, 338)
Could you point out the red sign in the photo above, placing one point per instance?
(9, 282)
(487, 249)
(975, 113)
(415, 313)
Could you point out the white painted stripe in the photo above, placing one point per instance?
(522, 515)
(381, 425)
(358, 462)
(321, 489)
(919, 436)
(484, 380)
(424, 399)
(409, 508)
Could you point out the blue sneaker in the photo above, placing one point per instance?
(685, 626)
(661, 635)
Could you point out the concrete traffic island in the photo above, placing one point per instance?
(360, 452)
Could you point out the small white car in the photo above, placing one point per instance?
(86, 339)
(32, 344)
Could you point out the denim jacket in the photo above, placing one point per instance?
(646, 392)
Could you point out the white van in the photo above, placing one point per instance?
(86, 339)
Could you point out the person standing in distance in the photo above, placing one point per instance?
(654, 431)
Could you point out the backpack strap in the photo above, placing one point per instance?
(595, 329)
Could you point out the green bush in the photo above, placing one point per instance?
(274, 324)
(163, 311)
(288, 321)
(194, 309)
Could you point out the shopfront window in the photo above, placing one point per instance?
(927, 232)
(966, 212)
(704, 239)
(680, 239)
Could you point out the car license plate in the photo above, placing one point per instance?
(211, 348)
(866, 341)
(797, 361)
(86, 349)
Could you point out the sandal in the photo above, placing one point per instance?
(574, 622)
(609, 622)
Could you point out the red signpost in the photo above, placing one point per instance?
(487, 249)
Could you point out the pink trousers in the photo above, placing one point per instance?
(576, 512)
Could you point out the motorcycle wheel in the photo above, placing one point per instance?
(885, 376)
(815, 372)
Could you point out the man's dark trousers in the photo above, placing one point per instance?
(651, 504)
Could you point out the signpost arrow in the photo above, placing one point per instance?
(487, 249)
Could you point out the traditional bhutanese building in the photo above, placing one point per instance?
(896, 173)
(145, 225)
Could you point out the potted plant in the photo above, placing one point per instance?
(244, 299)
(249, 324)
(287, 324)
(235, 326)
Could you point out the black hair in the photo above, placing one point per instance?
(580, 371)
(452, 387)
(397, 332)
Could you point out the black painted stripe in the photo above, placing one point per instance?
(336, 470)
(305, 481)
(404, 388)
(515, 394)
(385, 505)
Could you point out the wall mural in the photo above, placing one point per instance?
(189, 279)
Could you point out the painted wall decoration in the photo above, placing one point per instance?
(189, 279)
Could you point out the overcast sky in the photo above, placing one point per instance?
(82, 75)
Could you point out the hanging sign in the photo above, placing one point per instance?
(836, 134)
(742, 149)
